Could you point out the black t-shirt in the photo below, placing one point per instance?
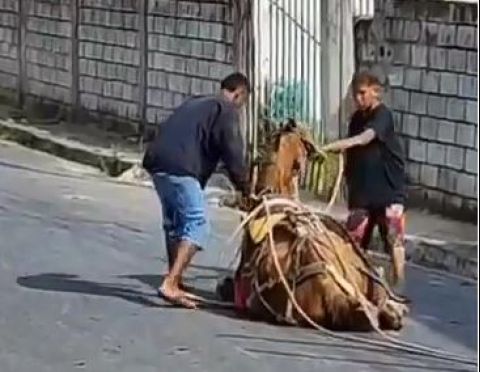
(375, 173)
(191, 142)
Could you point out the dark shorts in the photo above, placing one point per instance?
(390, 221)
(183, 207)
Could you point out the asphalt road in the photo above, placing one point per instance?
(80, 257)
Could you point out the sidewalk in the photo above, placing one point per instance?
(433, 240)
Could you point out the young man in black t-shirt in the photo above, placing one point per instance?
(375, 172)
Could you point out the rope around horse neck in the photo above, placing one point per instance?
(392, 343)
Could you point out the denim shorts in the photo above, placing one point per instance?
(183, 208)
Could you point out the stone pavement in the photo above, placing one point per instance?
(433, 241)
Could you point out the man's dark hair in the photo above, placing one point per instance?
(234, 81)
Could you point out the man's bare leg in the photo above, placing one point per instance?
(171, 256)
(170, 288)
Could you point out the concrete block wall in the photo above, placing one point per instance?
(189, 51)
(92, 54)
(48, 49)
(9, 45)
(109, 57)
(426, 53)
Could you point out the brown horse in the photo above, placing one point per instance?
(284, 161)
(325, 274)
(328, 276)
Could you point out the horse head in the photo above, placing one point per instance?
(284, 159)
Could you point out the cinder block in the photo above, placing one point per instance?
(197, 48)
(412, 31)
(209, 49)
(417, 150)
(472, 62)
(401, 53)
(166, 62)
(169, 27)
(455, 157)
(455, 108)
(471, 161)
(218, 32)
(430, 81)
(184, 47)
(436, 106)
(446, 35)
(457, 60)
(397, 29)
(193, 28)
(466, 135)
(448, 83)
(411, 124)
(127, 92)
(466, 185)
(413, 172)
(447, 179)
(436, 153)
(438, 58)
(418, 103)
(468, 86)
(413, 78)
(466, 36)
(203, 68)
(446, 131)
(419, 55)
(428, 128)
(176, 82)
(400, 99)
(429, 175)
(220, 52)
(471, 111)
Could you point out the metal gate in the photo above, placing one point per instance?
(285, 68)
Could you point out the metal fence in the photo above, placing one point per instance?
(285, 68)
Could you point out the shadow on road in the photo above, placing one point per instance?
(71, 283)
(60, 282)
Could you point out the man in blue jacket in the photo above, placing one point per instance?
(181, 159)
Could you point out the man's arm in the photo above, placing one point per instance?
(230, 142)
(361, 139)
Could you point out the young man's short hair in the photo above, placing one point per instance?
(235, 81)
(365, 78)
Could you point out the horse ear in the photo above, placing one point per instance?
(291, 125)
(310, 145)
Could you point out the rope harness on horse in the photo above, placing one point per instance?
(309, 228)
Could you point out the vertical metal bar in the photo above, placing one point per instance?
(277, 55)
(289, 62)
(315, 68)
(142, 83)
(271, 86)
(284, 38)
(22, 80)
(257, 72)
(285, 59)
(341, 71)
(302, 62)
(74, 89)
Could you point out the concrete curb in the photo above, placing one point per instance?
(452, 257)
(38, 139)
(455, 258)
